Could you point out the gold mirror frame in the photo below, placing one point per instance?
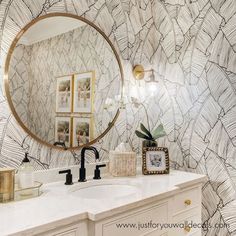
(6, 79)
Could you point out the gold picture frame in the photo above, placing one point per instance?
(63, 126)
(83, 92)
(64, 94)
(82, 120)
(155, 160)
(82, 130)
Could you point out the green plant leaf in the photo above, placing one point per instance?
(158, 132)
(146, 131)
(141, 135)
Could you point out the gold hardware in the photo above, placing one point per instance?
(187, 229)
(188, 202)
(139, 72)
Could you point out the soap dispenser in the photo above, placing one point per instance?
(26, 173)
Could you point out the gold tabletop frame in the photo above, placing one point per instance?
(6, 79)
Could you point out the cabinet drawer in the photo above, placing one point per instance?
(154, 233)
(66, 231)
(187, 200)
(136, 224)
(189, 226)
(72, 232)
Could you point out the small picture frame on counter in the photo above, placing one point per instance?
(155, 160)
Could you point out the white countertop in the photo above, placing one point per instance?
(57, 203)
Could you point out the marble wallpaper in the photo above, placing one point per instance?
(34, 70)
(191, 45)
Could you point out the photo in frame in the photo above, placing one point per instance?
(64, 94)
(155, 160)
(83, 94)
(63, 130)
(82, 131)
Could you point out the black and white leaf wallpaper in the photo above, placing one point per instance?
(191, 45)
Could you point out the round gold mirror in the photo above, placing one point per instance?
(63, 81)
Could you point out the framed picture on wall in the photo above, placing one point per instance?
(64, 94)
(63, 130)
(83, 94)
(155, 160)
(82, 130)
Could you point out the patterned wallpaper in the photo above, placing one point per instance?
(34, 69)
(191, 44)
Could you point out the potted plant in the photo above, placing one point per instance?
(146, 134)
(150, 137)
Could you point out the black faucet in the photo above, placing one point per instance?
(82, 170)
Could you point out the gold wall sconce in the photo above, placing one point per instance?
(139, 74)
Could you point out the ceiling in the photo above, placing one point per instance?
(48, 28)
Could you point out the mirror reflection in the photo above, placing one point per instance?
(64, 81)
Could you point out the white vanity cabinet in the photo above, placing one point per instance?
(167, 205)
(76, 229)
(132, 223)
(177, 215)
(183, 209)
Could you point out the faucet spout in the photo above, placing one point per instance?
(82, 170)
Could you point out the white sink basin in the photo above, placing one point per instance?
(105, 190)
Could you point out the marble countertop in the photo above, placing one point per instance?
(58, 203)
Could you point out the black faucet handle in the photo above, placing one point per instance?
(102, 165)
(69, 178)
(97, 172)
